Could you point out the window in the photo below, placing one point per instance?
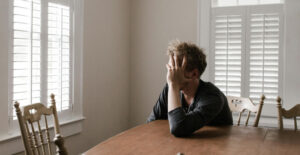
(247, 49)
(41, 54)
(44, 51)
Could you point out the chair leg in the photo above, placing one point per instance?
(249, 112)
(59, 142)
(239, 120)
(280, 121)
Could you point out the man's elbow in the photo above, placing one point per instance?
(179, 131)
(183, 130)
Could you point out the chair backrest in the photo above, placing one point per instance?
(292, 113)
(241, 104)
(29, 119)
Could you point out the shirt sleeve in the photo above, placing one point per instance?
(160, 109)
(184, 124)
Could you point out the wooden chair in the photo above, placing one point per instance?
(241, 104)
(292, 113)
(34, 140)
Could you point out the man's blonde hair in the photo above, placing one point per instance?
(195, 56)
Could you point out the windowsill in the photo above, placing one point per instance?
(12, 143)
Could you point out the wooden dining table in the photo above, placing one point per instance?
(155, 138)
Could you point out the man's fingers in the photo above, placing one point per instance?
(168, 67)
(176, 61)
(172, 61)
(184, 62)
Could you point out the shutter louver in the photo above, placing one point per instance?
(59, 54)
(26, 52)
(264, 57)
(228, 51)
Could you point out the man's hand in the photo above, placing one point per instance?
(175, 75)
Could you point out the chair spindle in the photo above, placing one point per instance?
(261, 103)
(239, 120)
(41, 138)
(35, 142)
(30, 139)
(248, 116)
(47, 135)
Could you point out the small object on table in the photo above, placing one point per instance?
(179, 153)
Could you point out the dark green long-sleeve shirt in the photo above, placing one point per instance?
(210, 107)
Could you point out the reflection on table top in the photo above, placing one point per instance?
(155, 138)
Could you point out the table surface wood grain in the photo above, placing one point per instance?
(155, 138)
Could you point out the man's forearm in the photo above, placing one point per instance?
(173, 98)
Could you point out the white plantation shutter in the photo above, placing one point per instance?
(247, 50)
(59, 54)
(31, 50)
(26, 54)
(264, 53)
(227, 48)
(40, 57)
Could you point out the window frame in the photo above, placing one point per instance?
(71, 123)
(13, 123)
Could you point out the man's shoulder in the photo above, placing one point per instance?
(210, 87)
(209, 92)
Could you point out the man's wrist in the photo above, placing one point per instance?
(174, 86)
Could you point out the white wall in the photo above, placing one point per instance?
(153, 24)
(292, 54)
(105, 72)
(3, 58)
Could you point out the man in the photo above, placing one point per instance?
(186, 101)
